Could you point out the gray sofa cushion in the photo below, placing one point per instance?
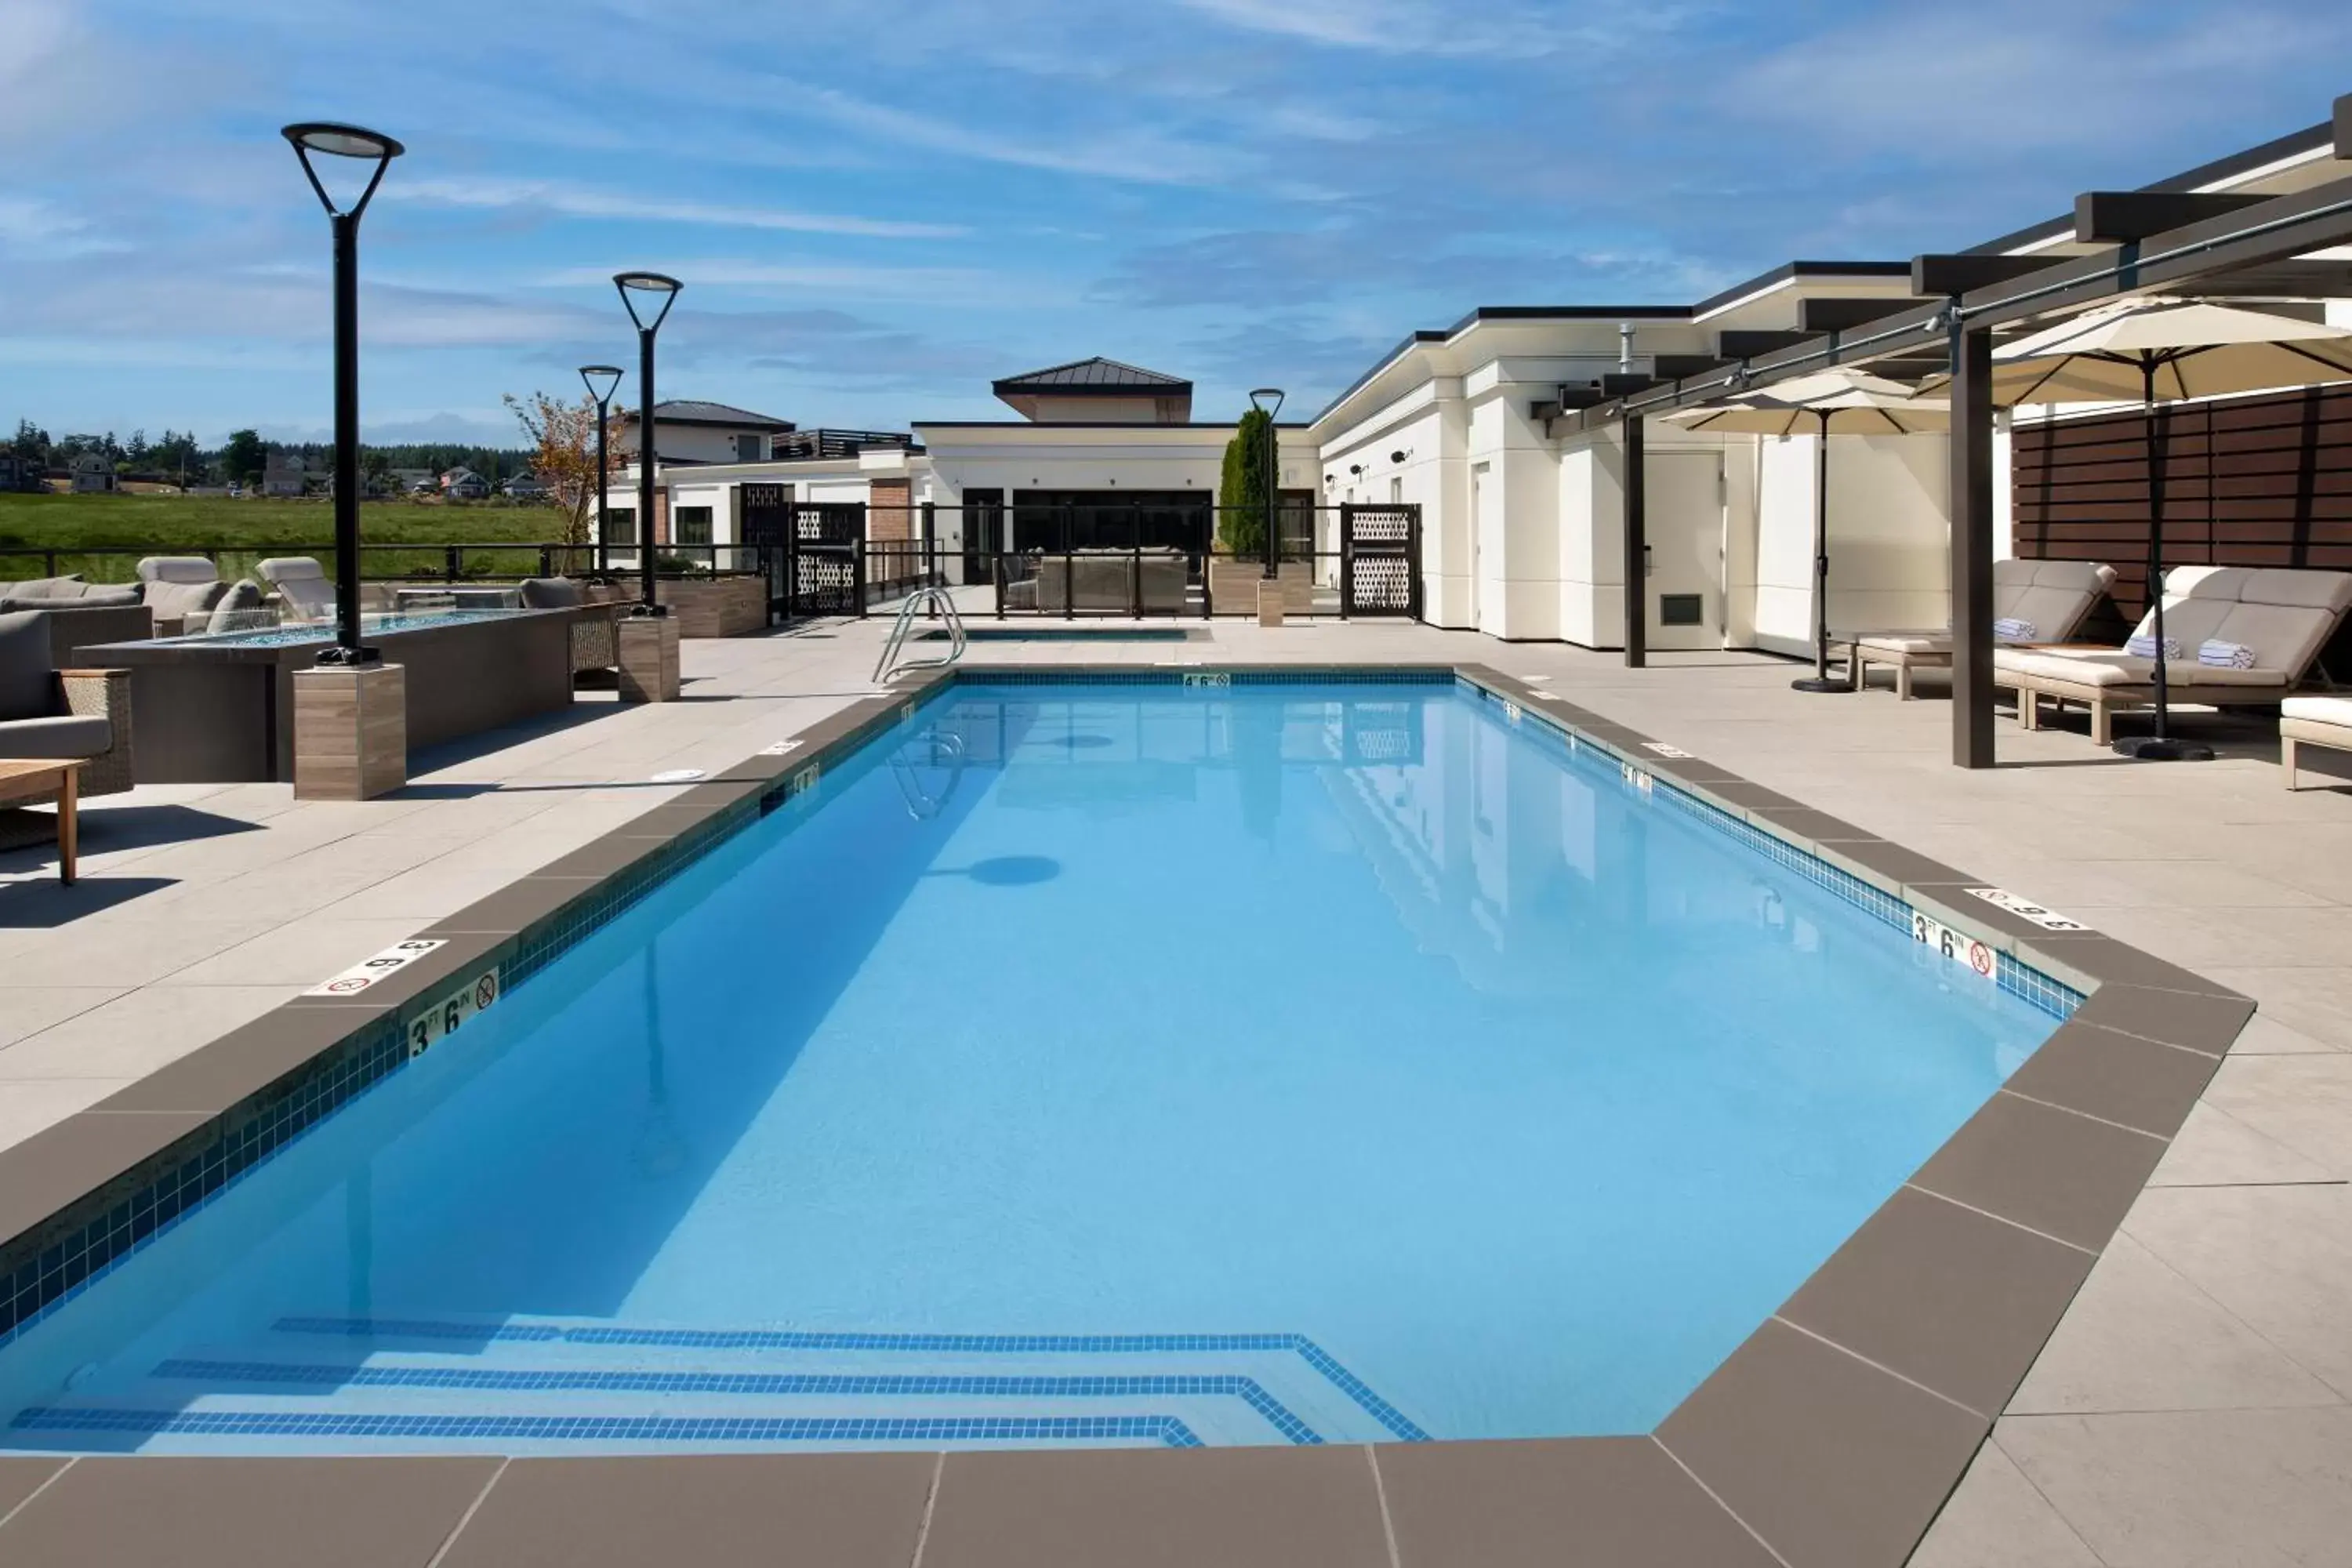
(27, 689)
(96, 599)
(78, 735)
(239, 603)
(67, 587)
(169, 597)
(177, 569)
(550, 593)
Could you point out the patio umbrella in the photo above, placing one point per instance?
(2168, 349)
(1832, 403)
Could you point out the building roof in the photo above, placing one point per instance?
(691, 411)
(1093, 375)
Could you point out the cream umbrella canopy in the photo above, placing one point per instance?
(1831, 402)
(2167, 350)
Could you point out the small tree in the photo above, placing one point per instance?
(244, 457)
(1241, 486)
(563, 438)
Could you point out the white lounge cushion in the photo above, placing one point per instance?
(2210, 674)
(177, 569)
(1909, 643)
(2318, 709)
(2086, 667)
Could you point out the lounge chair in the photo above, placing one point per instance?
(304, 591)
(595, 635)
(46, 713)
(2285, 617)
(2032, 602)
(176, 588)
(2313, 722)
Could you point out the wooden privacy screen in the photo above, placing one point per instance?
(2264, 481)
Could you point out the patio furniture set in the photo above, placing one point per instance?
(198, 656)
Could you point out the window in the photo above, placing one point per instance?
(1396, 490)
(621, 525)
(693, 526)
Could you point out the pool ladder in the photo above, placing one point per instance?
(895, 660)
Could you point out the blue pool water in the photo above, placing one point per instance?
(1086, 1064)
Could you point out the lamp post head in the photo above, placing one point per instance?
(650, 286)
(609, 375)
(1266, 400)
(322, 137)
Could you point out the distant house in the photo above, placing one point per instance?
(92, 474)
(689, 431)
(20, 473)
(464, 484)
(282, 474)
(525, 486)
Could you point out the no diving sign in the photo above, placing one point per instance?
(372, 971)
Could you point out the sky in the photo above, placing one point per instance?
(879, 206)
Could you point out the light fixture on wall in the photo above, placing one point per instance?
(1355, 468)
(1399, 456)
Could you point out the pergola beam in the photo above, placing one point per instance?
(1935, 277)
(2121, 217)
(1843, 313)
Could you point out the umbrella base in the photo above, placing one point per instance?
(2153, 749)
(1820, 683)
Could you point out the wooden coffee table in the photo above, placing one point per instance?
(19, 780)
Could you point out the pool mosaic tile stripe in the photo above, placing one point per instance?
(1395, 1420)
(755, 1383)
(1166, 1430)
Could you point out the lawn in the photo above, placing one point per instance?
(103, 536)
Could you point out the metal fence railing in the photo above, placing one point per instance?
(1114, 560)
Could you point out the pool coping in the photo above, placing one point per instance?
(1832, 1434)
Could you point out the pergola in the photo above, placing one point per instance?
(2199, 244)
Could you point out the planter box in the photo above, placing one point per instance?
(716, 607)
(1233, 586)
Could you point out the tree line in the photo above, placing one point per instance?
(178, 457)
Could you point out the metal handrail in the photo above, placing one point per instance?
(895, 661)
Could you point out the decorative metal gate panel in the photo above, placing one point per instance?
(828, 565)
(768, 529)
(1380, 560)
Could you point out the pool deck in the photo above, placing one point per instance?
(2191, 1406)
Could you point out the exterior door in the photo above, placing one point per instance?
(1683, 595)
(1477, 532)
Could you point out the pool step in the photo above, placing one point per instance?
(519, 1385)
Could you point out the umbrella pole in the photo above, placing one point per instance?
(2160, 747)
(1820, 680)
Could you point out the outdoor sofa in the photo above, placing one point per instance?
(2285, 617)
(1113, 580)
(81, 614)
(595, 635)
(2032, 602)
(179, 589)
(46, 713)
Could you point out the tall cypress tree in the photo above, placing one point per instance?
(1241, 486)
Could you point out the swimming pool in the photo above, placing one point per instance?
(1098, 1063)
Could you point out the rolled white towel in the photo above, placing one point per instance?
(2144, 646)
(2225, 654)
(2009, 628)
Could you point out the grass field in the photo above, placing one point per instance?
(103, 536)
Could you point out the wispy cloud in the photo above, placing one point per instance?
(1113, 151)
(555, 199)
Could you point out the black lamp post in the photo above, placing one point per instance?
(1267, 400)
(609, 376)
(654, 287)
(379, 151)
